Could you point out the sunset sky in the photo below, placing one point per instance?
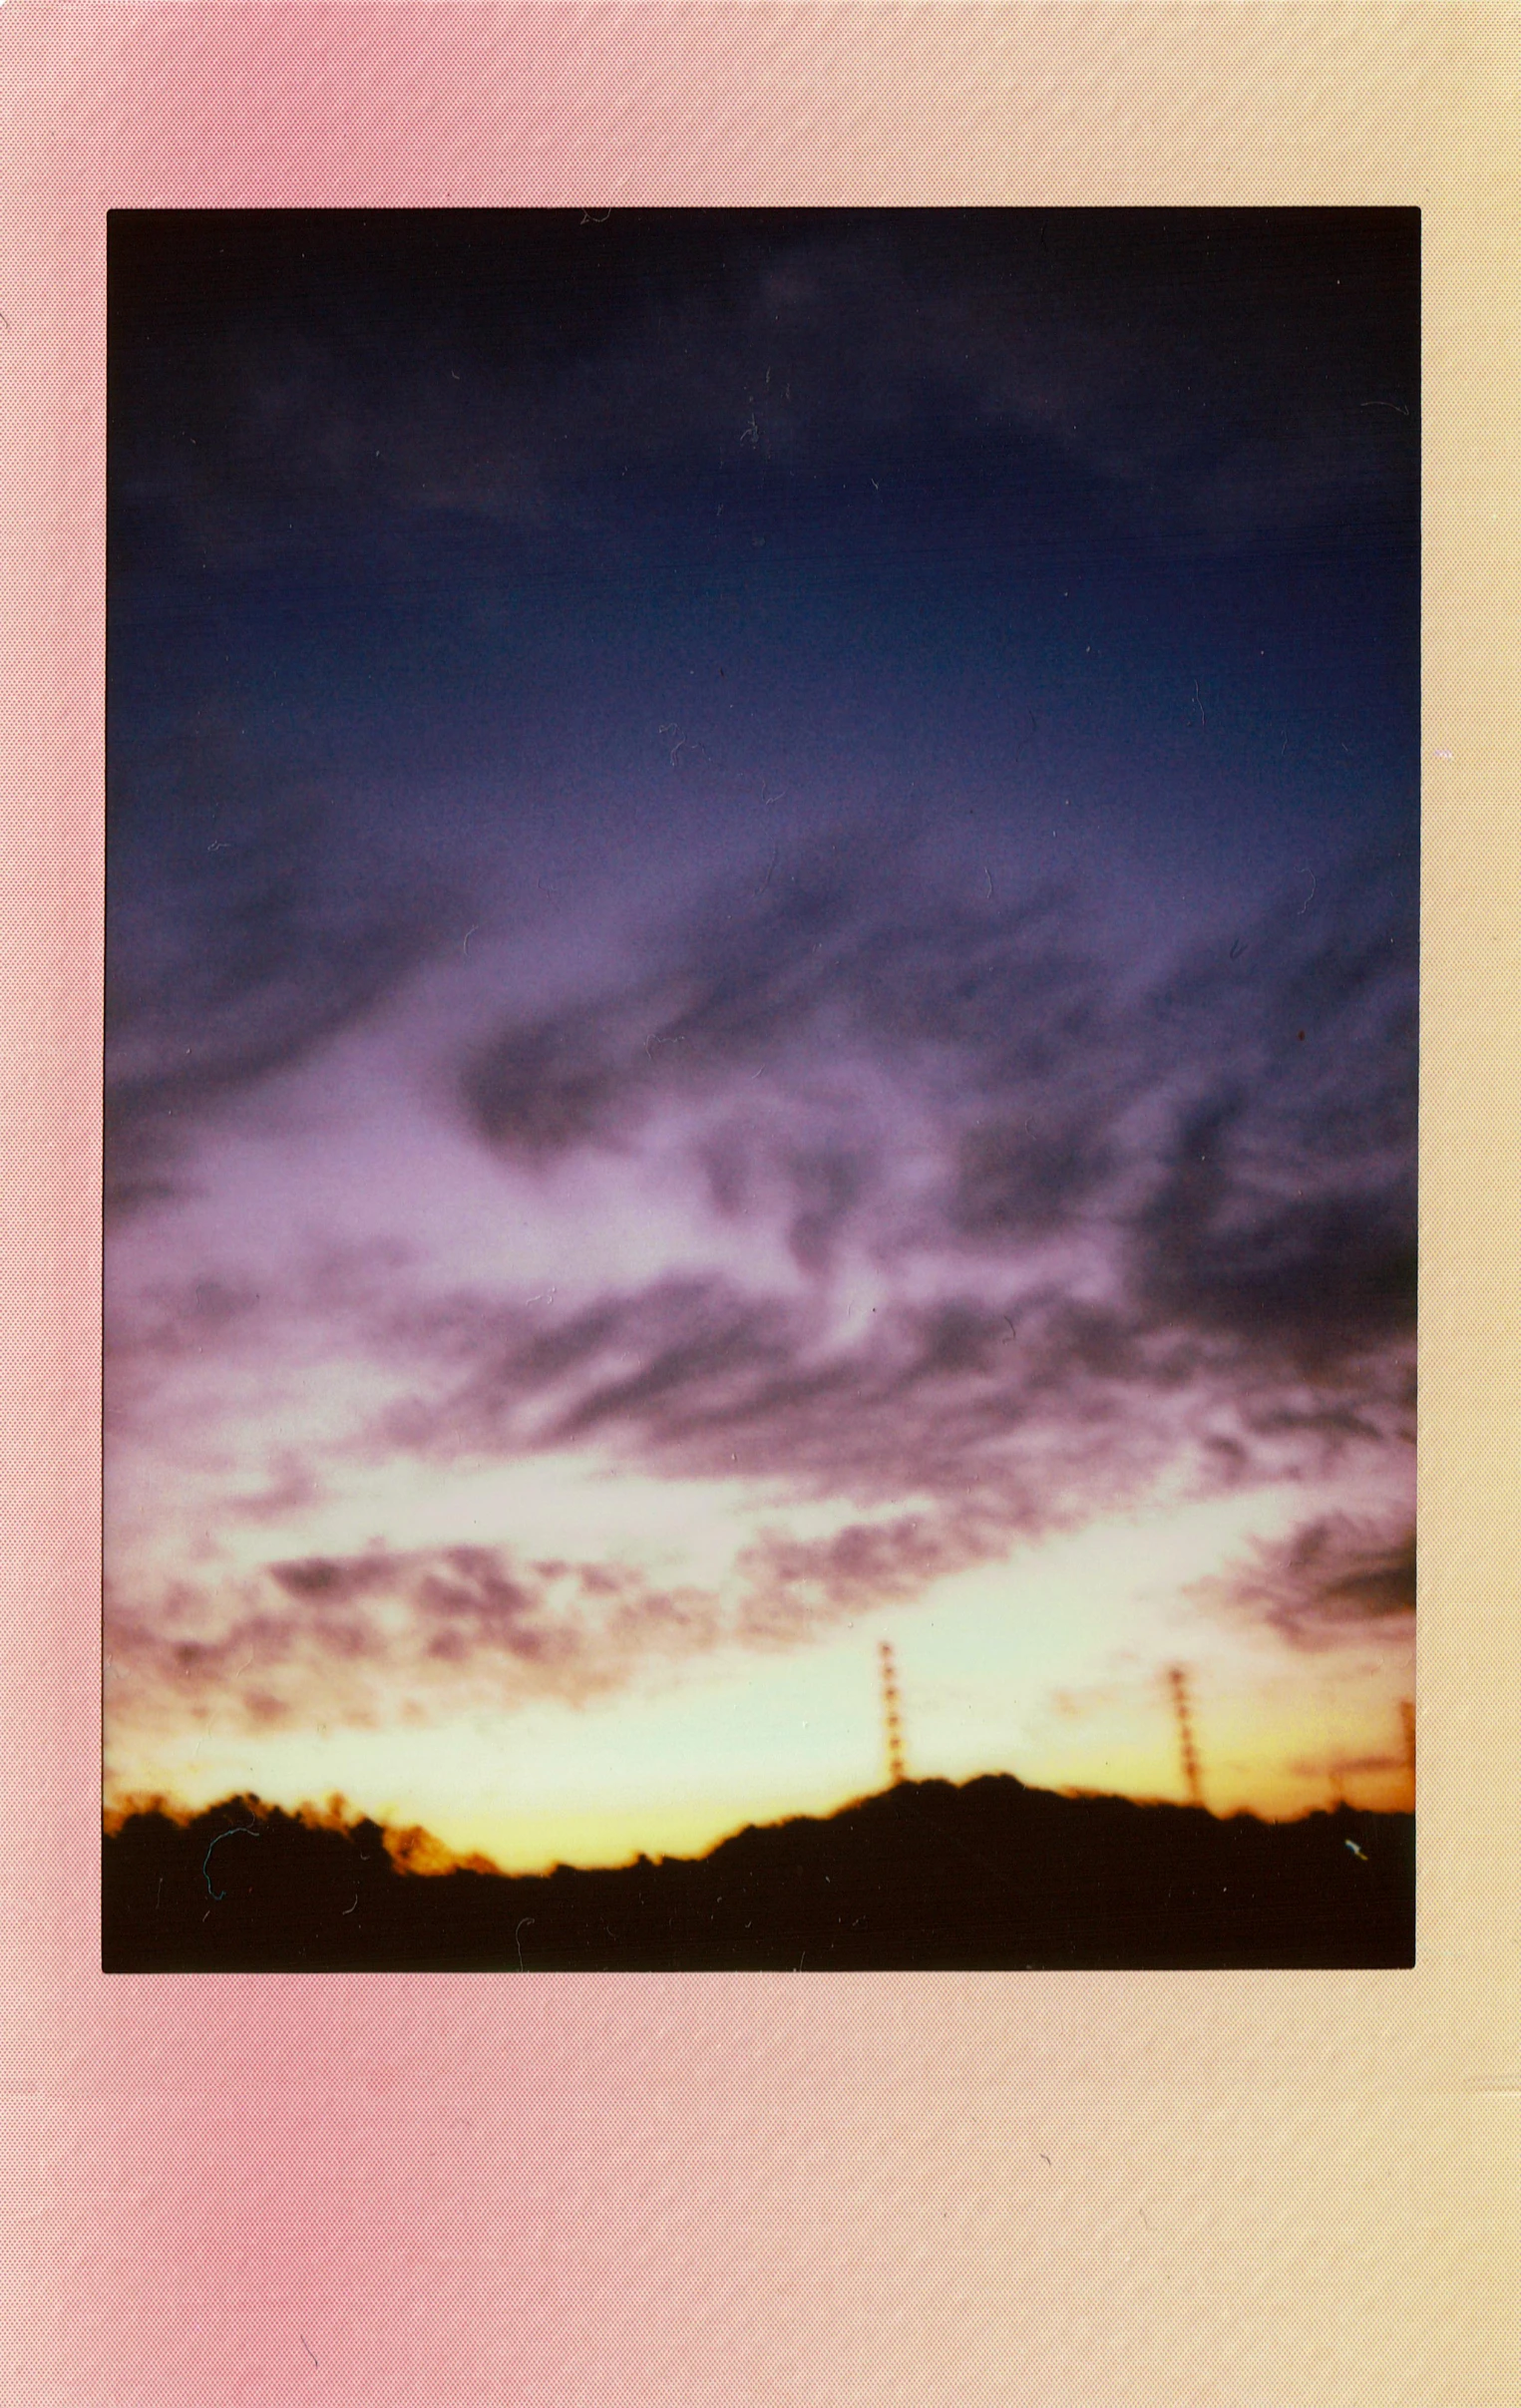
(762, 970)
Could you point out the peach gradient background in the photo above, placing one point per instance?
(1293, 2190)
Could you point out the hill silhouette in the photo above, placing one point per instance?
(926, 1876)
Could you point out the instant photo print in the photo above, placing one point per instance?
(760, 1280)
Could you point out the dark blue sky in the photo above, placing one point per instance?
(923, 514)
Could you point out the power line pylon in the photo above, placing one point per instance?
(1407, 1724)
(892, 1715)
(1177, 1680)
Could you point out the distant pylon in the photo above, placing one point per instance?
(1183, 1709)
(892, 1715)
(1407, 1722)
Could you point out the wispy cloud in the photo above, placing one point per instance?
(1337, 1577)
(1105, 1245)
(394, 1634)
(239, 958)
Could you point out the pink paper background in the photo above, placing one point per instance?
(1235, 2189)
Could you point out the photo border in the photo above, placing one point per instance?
(1224, 2187)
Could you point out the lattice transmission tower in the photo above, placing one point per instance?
(892, 1715)
(1183, 1707)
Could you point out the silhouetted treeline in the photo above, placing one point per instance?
(924, 1876)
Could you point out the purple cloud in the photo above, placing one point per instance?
(361, 1637)
(1336, 1577)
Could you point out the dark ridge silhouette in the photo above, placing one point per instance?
(924, 1876)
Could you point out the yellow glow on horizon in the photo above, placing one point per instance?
(1049, 1665)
